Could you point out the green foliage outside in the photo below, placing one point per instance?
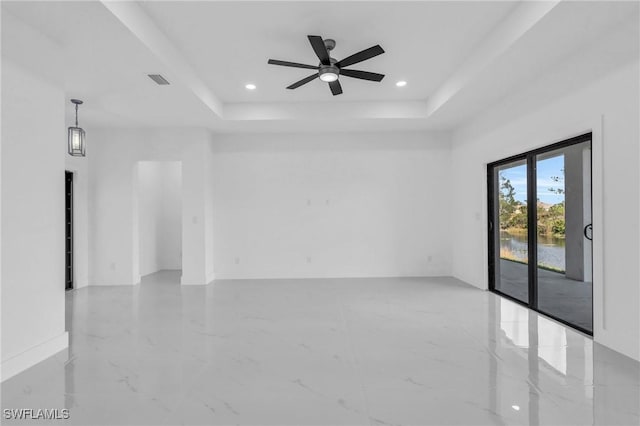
(513, 213)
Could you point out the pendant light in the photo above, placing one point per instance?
(76, 135)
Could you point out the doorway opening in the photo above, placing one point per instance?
(540, 231)
(159, 217)
(68, 229)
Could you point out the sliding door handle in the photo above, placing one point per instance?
(588, 230)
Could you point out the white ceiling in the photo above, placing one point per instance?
(570, 47)
(459, 58)
(229, 44)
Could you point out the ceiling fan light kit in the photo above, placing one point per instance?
(329, 73)
(329, 69)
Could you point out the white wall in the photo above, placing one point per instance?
(33, 124)
(160, 215)
(114, 224)
(610, 108)
(333, 205)
(209, 214)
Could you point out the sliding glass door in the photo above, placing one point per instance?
(511, 240)
(563, 218)
(540, 230)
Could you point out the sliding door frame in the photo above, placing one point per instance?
(532, 214)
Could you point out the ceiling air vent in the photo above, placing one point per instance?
(158, 79)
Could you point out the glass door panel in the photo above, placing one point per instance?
(563, 219)
(540, 230)
(509, 221)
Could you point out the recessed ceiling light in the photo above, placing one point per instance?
(250, 86)
(401, 83)
(516, 407)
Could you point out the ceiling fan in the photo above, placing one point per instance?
(330, 69)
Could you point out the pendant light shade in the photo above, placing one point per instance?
(76, 136)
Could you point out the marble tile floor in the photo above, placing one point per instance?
(384, 351)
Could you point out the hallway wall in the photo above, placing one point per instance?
(160, 215)
(114, 246)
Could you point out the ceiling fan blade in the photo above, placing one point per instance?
(292, 64)
(336, 87)
(364, 75)
(318, 46)
(361, 56)
(303, 81)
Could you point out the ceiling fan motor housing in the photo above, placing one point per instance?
(329, 43)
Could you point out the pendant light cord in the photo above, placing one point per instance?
(76, 115)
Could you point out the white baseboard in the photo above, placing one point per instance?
(80, 284)
(110, 284)
(211, 277)
(17, 364)
(190, 281)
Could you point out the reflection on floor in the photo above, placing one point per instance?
(331, 351)
(558, 296)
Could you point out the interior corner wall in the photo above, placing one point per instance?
(610, 108)
(170, 242)
(33, 287)
(160, 215)
(114, 247)
(209, 215)
(331, 205)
